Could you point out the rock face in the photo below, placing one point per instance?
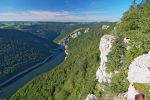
(76, 33)
(72, 35)
(79, 32)
(86, 30)
(139, 69)
(105, 27)
(138, 73)
(101, 75)
(105, 47)
(66, 51)
(121, 96)
(131, 92)
(126, 40)
(91, 97)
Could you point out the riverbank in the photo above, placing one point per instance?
(33, 72)
(25, 71)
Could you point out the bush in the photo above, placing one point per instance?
(120, 83)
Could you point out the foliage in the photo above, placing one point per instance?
(74, 79)
(120, 83)
(19, 51)
(116, 55)
(2, 98)
(98, 90)
(48, 30)
(143, 88)
(134, 25)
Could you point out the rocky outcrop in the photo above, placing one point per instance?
(66, 51)
(140, 68)
(86, 30)
(105, 48)
(101, 75)
(127, 42)
(105, 27)
(79, 32)
(138, 73)
(91, 97)
(72, 35)
(76, 33)
(131, 92)
(121, 96)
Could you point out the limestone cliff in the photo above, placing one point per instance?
(138, 73)
(105, 48)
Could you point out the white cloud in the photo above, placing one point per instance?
(62, 16)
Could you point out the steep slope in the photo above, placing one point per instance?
(129, 54)
(73, 79)
(47, 30)
(105, 47)
(19, 51)
(139, 22)
(139, 68)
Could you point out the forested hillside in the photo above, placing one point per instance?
(48, 30)
(132, 40)
(21, 50)
(75, 77)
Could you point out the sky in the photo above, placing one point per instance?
(63, 10)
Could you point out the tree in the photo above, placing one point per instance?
(134, 4)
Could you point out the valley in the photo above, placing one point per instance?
(79, 67)
(11, 87)
(77, 60)
(50, 55)
(57, 55)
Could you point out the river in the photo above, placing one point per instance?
(9, 89)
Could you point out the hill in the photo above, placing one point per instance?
(47, 30)
(75, 77)
(124, 53)
(128, 56)
(21, 50)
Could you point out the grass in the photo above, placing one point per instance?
(143, 88)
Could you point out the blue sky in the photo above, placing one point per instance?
(63, 10)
